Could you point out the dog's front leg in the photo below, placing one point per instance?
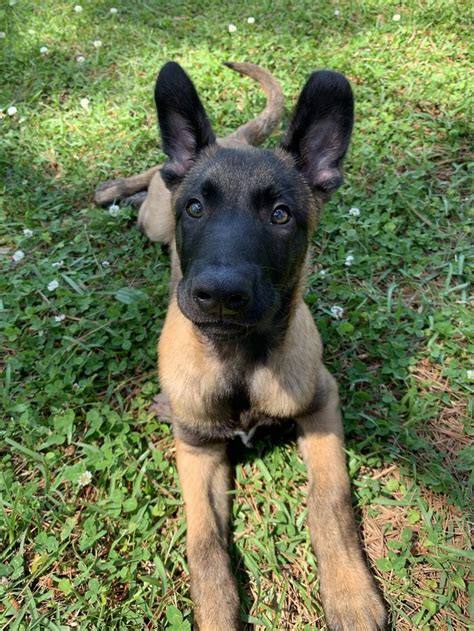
(350, 598)
(204, 476)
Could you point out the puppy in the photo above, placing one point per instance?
(239, 347)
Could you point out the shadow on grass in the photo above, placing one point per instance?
(35, 186)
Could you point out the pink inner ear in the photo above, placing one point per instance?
(183, 143)
(180, 166)
(326, 175)
(325, 179)
(320, 151)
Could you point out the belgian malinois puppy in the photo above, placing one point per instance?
(239, 347)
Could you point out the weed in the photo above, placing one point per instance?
(91, 531)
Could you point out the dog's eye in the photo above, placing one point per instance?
(280, 215)
(194, 208)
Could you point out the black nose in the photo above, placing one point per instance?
(222, 292)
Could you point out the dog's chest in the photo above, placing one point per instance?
(236, 416)
(226, 415)
(249, 422)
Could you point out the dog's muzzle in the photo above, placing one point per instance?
(222, 293)
(226, 301)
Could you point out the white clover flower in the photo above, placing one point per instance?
(27, 233)
(80, 59)
(337, 12)
(18, 256)
(31, 31)
(114, 210)
(53, 285)
(354, 212)
(232, 28)
(113, 11)
(78, 8)
(349, 260)
(322, 273)
(85, 478)
(43, 50)
(97, 43)
(59, 318)
(396, 17)
(57, 264)
(105, 263)
(250, 20)
(11, 111)
(337, 312)
(84, 103)
(2, 34)
(470, 375)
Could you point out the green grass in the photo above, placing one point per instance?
(110, 554)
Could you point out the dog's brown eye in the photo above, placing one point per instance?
(280, 215)
(194, 208)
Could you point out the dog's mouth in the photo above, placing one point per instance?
(223, 329)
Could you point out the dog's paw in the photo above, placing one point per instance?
(109, 192)
(161, 408)
(136, 200)
(349, 607)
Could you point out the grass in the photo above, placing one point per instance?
(107, 551)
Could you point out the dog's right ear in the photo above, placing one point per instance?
(185, 128)
(320, 130)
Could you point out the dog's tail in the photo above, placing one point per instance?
(255, 131)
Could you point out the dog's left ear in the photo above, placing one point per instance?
(320, 130)
(185, 128)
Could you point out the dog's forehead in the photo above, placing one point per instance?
(247, 170)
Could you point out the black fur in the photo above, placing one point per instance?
(185, 128)
(234, 246)
(321, 128)
(240, 268)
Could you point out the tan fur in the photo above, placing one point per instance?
(291, 383)
(155, 217)
(256, 130)
(350, 598)
(198, 369)
(286, 384)
(191, 375)
(117, 189)
(279, 388)
(205, 480)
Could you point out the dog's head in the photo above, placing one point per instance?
(244, 216)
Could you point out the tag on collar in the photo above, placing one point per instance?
(246, 437)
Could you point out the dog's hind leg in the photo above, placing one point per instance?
(117, 190)
(350, 598)
(161, 408)
(205, 480)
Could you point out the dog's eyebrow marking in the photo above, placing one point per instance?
(268, 195)
(265, 195)
(209, 189)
